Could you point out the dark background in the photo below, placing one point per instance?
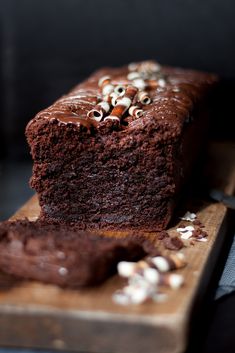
(48, 46)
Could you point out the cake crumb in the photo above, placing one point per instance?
(198, 223)
(162, 235)
(173, 243)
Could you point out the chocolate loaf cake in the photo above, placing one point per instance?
(62, 255)
(115, 152)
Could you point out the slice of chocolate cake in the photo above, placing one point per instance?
(63, 255)
(115, 152)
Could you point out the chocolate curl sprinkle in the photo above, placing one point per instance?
(165, 264)
(133, 75)
(135, 111)
(160, 263)
(139, 83)
(105, 85)
(148, 67)
(151, 84)
(111, 98)
(134, 271)
(133, 66)
(104, 80)
(172, 280)
(123, 103)
(99, 111)
(161, 82)
(131, 92)
(120, 90)
(144, 98)
(114, 99)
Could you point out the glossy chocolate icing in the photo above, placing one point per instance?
(171, 104)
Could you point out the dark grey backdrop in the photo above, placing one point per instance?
(48, 46)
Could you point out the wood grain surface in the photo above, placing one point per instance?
(44, 316)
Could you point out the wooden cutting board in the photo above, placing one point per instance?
(44, 316)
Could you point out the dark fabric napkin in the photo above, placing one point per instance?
(227, 281)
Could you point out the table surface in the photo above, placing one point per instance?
(220, 314)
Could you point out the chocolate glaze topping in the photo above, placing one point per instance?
(171, 102)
